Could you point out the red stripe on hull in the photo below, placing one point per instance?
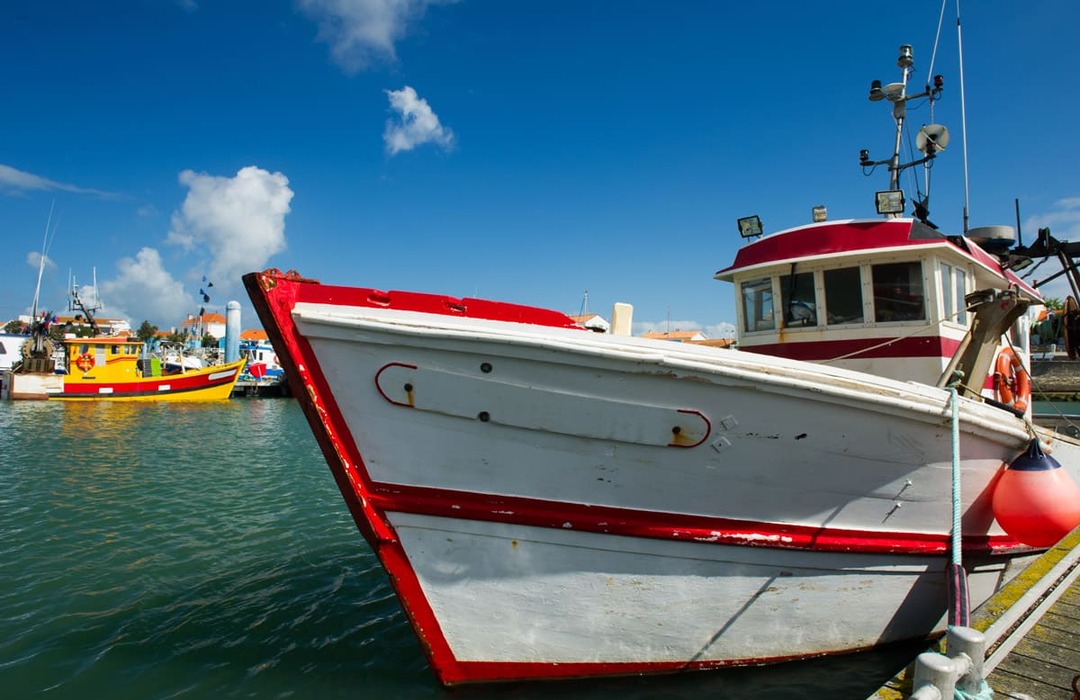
(177, 384)
(479, 671)
(672, 526)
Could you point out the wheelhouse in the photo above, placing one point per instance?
(878, 296)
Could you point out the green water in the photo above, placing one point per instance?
(203, 551)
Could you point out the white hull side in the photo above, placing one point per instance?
(787, 442)
(512, 594)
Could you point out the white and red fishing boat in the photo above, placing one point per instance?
(551, 502)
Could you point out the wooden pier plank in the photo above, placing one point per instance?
(1044, 663)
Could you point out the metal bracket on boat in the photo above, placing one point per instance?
(565, 411)
(995, 312)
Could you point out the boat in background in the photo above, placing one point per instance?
(551, 502)
(109, 367)
(262, 362)
(114, 368)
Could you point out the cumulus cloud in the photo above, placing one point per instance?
(416, 123)
(239, 220)
(1063, 220)
(13, 181)
(145, 291)
(361, 32)
(34, 260)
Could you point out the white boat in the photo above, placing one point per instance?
(551, 502)
(262, 362)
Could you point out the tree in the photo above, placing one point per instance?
(146, 332)
(209, 341)
(1053, 303)
(15, 327)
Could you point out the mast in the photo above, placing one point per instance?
(931, 139)
(904, 62)
(41, 262)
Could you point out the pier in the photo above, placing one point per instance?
(1031, 627)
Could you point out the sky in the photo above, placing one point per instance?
(568, 154)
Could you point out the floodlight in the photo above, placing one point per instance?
(890, 202)
(750, 226)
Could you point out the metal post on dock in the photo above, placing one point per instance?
(937, 676)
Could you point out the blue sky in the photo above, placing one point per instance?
(515, 150)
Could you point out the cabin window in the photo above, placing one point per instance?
(115, 350)
(757, 299)
(797, 297)
(843, 296)
(84, 348)
(898, 292)
(953, 289)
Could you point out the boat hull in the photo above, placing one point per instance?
(527, 602)
(553, 503)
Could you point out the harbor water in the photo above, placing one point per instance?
(203, 551)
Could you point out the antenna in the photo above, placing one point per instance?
(963, 112)
(1019, 235)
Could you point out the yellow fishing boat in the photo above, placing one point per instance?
(114, 368)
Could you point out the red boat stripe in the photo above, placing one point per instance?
(670, 526)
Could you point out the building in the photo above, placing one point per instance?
(198, 326)
(594, 322)
(677, 336)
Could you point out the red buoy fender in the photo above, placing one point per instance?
(1036, 501)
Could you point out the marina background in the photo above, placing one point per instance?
(202, 550)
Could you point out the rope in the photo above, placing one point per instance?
(954, 398)
(985, 692)
(959, 601)
(890, 341)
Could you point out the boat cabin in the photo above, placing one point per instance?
(884, 296)
(119, 355)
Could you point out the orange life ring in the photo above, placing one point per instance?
(85, 362)
(1012, 383)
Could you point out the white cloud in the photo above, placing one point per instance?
(239, 220)
(145, 291)
(417, 123)
(1063, 220)
(360, 32)
(33, 259)
(15, 181)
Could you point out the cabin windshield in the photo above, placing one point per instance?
(953, 289)
(898, 292)
(757, 297)
(843, 295)
(797, 296)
